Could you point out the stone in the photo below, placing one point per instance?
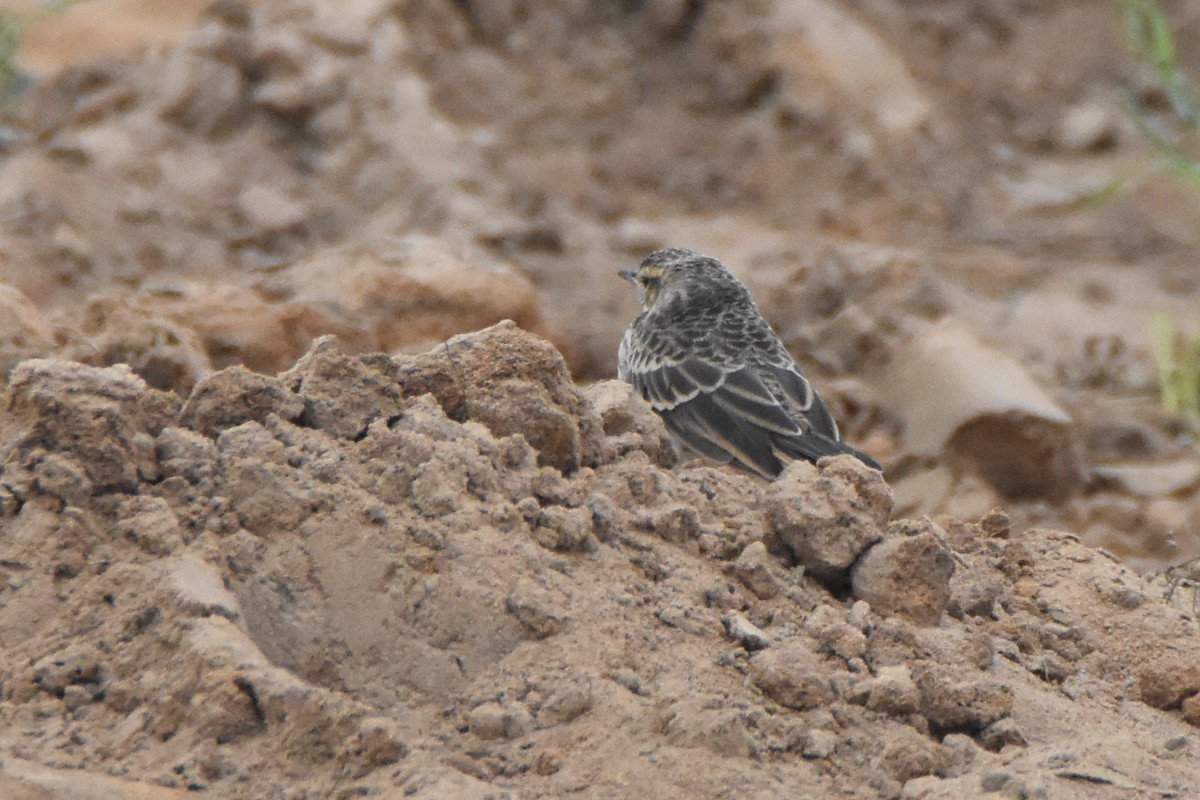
(91, 415)
(956, 700)
(497, 721)
(792, 675)
(512, 382)
(907, 575)
(828, 519)
(1168, 680)
(758, 571)
(893, 692)
(235, 395)
(742, 630)
(629, 423)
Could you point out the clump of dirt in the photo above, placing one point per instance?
(919, 227)
(456, 573)
(243, 557)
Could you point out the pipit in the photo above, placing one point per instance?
(709, 364)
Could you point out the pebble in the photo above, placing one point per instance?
(746, 632)
(994, 781)
(819, 744)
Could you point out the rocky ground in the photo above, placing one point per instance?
(244, 559)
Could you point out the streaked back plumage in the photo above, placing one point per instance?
(708, 363)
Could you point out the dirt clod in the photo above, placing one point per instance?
(906, 574)
(288, 512)
(826, 517)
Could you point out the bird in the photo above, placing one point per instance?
(714, 370)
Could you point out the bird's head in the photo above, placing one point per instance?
(673, 271)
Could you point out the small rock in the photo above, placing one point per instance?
(1175, 744)
(75, 696)
(1049, 666)
(565, 530)
(1165, 682)
(379, 741)
(725, 596)
(678, 524)
(907, 575)
(186, 454)
(75, 665)
(962, 751)
(907, 753)
(700, 722)
(819, 744)
(835, 635)
(1087, 126)
(746, 632)
(59, 476)
(537, 609)
(996, 524)
(151, 524)
(1001, 733)
(953, 699)
(860, 615)
(893, 692)
(88, 414)
(235, 395)
(758, 571)
(994, 781)
(792, 675)
(1006, 426)
(1191, 710)
(496, 721)
(975, 591)
(343, 394)
(568, 702)
(629, 422)
(512, 382)
(826, 520)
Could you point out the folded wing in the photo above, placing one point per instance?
(758, 417)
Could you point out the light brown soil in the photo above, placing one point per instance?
(258, 563)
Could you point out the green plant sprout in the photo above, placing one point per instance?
(1149, 35)
(1178, 358)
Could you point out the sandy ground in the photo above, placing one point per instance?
(241, 560)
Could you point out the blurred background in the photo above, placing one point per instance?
(974, 224)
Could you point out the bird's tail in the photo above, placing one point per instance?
(813, 445)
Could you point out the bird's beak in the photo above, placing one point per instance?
(629, 275)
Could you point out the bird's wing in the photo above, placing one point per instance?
(704, 426)
(680, 389)
(799, 395)
(730, 411)
(728, 414)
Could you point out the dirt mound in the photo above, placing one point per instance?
(455, 573)
(921, 231)
(245, 559)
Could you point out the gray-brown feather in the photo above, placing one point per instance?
(709, 364)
